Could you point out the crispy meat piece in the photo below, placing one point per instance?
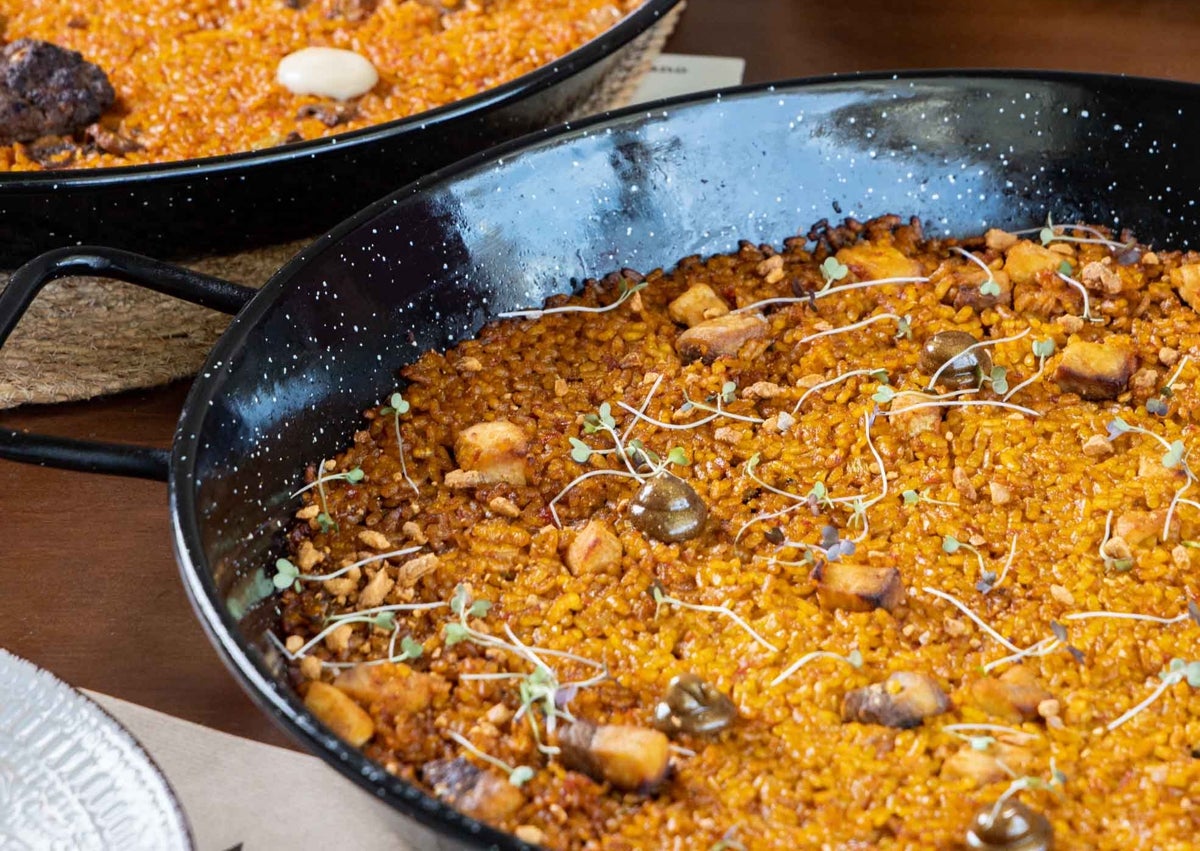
(903, 701)
(46, 90)
(478, 793)
(630, 758)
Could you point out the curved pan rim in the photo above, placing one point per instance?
(279, 702)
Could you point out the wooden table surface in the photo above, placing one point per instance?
(93, 594)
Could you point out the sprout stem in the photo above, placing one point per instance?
(835, 380)
(871, 320)
(1169, 680)
(588, 475)
(825, 293)
(962, 607)
(804, 660)
(626, 294)
(967, 404)
(660, 598)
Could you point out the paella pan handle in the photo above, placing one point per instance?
(88, 456)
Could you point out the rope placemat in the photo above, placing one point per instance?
(86, 337)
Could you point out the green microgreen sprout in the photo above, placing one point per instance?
(541, 687)
(324, 520)
(1041, 648)
(1064, 268)
(633, 453)
(382, 618)
(915, 497)
(398, 406)
(1042, 349)
(287, 573)
(1056, 233)
(1177, 671)
(827, 291)
(859, 504)
(969, 403)
(988, 579)
(517, 775)
(878, 375)
(971, 348)
(1175, 457)
(833, 270)
(854, 659)
(998, 378)
(1087, 309)
(661, 598)
(727, 396)
(990, 287)
(625, 291)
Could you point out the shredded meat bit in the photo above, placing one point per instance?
(46, 90)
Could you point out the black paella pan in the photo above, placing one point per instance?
(427, 267)
(223, 204)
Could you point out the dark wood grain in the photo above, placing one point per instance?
(88, 583)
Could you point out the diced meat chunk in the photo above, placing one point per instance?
(1144, 528)
(999, 240)
(970, 293)
(1014, 696)
(595, 549)
(495, 451)
(720, 337)
(1097, 446)
(988, 766)
(480, 794)
(1101, 277)
(903, 700)
(337, 711)
(1186, 279)
(1025, 260)
(871, 260)
(376, 590)
(633, 759)
(912, 423)
(698, 303)
(858, 588)
(1096, 371)
(46, 90)
(398, 687)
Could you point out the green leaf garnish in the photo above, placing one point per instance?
(950, 544)
(1043, 348)
(1064, 268)
(1174, 456)
(287, 573)
(411, 648)
(999, 379)
(455, 633)
(678, 456)
(580, 451)
(833, 270)
(729, 392)
(605, 415)
(326, 522)
(399, 404)
(480, 608)
(385, 620)
(520, 775)
(990, 287)
(459, 601)
(884, 394)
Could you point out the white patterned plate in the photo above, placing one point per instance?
(71, 777)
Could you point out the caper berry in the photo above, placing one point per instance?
(668, 509)
(693, 706)
(964, 369)
(1016, 827)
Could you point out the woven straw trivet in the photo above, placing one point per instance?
(85, 337)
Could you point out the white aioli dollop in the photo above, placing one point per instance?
(327, 72)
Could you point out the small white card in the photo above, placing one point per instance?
(680, 74)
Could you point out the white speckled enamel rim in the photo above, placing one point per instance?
(72, 778)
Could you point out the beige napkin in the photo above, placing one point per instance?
(239, 792)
